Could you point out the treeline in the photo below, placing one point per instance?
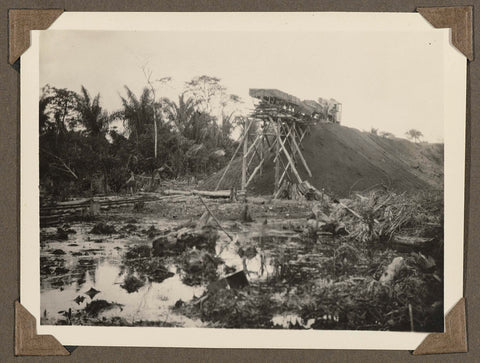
(81, 152)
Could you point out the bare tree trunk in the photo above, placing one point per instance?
(148, 75)
(156, 132)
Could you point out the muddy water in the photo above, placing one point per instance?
(262, 240)
(72, 268)
(94, 261)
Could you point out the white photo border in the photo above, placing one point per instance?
(454, 125)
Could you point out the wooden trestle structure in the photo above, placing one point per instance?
(281, 123)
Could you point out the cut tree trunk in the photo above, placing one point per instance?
(203, 193)
(412, 242)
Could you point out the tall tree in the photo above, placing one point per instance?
(147, 72)
(180, 113)
(137, 113)
(58, 109)
(414, 135)
(207, 91)
(92, 116)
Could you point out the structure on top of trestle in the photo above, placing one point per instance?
(281, 123)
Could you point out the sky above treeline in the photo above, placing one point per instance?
(389, 81)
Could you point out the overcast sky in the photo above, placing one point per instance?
(391, 81)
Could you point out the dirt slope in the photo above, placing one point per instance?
(344, 159)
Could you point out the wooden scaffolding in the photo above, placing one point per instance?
(274, 132)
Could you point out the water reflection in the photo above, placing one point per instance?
(95, 262)
(89, 264)
(150, 303)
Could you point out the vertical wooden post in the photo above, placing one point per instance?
(261, 154)
(244, 159)
(277, 157)
(292, 150)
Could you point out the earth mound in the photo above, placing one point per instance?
(343, 160)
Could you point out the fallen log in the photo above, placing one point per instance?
(214, 194)
(90, 206)
(203, 193)
(412, 242)
(177, 192)
(74, 202)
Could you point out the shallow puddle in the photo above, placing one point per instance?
(95, 261)
(71, 268)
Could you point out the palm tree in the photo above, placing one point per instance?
(181, 113)
(94, 119)
(137, 112)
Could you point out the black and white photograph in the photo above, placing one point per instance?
(232, 180)
(242, 179)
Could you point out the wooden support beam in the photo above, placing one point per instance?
(301, 156)
(250, 160)
(257, 151)
(283, 165)
(299, 141)
(281, 180)
(244, 158)
(288, 165)
(245, 133)
(284, 174)
(286, 137)
(261, 155)
(277, 159)
(282, 146)
(262, 161)
(267, 140)
(255, 172)
(252, 147)
(304, 133)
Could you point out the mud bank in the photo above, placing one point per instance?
(291, 267)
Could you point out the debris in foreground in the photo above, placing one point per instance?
(392, 270)
(132, 284)
(92, 292)
(103, 228)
